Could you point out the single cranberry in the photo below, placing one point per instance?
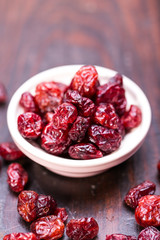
(9, 151)
(17, 177)
(61, 213)
(72, 96)
(149, 233)
(27, 101)
(20, 236)
(83, 228)
(45, 205)
(119, 237)
(3, 93)
(132, 118)
(30, 125)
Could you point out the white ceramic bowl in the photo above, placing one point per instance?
(79, 168)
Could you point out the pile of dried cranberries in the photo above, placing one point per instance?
(84, 120)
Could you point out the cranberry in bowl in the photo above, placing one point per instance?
(80, 122)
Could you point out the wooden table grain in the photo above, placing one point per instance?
(123, 35)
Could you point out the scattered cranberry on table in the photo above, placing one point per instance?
(20, 236)
(120, 237)
(3, 94)
(9, 151)
(149, 233)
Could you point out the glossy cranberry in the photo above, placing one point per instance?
(84, 151)
(45, 205)
(20, 236)
(27, 205)
(54, 140)
(48, 96)
(61, 213)
(30, 125)
(3, 93)
(49, 228)
(120, 237)
(117, 79)
(9, 151)
(85, 81)
(135, 193)
(64, 116)
(108, 140)
(79, 129)
(48, 117)
(105, 115)
(72, 96)
(17, 177)
(82, 229)
(149, 233)
(132, 118)
(148, 211)
(27, 101)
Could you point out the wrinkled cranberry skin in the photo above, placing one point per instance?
(72, 96)
(45, 205)
(117, 79)
(84, 151)
(54, 140)
(108, 140)
(30, 125)
(48, 96)
(9, 151)
(3, 94)
(27, 205)
(49, 227)
(64, 116)
(28, 103)
(82, 229)
(61, 213)
(135, 193)
(148, 211)
(106, 116)
(79, 129)
(132, 118)
(150, 233)
(85, 81)
(20, 236)
(17, 177)
(119, 237)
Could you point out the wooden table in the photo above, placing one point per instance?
(123, 35)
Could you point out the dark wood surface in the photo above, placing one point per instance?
(123, 35)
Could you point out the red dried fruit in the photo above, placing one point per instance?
(148, 211)
(105, 115)
(135, 193)
(132, 118)
(3, 93)
(45, 205)
(54, 140)
(27, 205)
(119, 237)
(48, 117)
(72, 96)
(48, 96)
(117, 79)
(82, 229)
(149, 233)
(30, 125)
(61, 213)
(63, 87)
(108, 140)
(17, 177)
(121, 129)
(20, 236)
(84, 151)
(9, 151)
(49, 227)
(27, 101)
(79, 129)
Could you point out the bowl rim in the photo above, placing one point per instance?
(72, 163)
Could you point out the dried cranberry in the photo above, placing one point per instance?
(48, 117)
(121, 129)
(119, 237)
(20, 236)
(135, 193)
(27, 205)
(117, 79)
(30, 125)
(72, 96)
(132, 118)
(150, 233)
(45, 205)
(64, 115)
(49, 227)
(108, 140)
(105, 115)
(54, 140)
(27, 101)
(79, 128)
(148, 211)
(84, 151)
(9, 151)
(17, 177)
(83, 228)
(85, 81)
(3, 93)
(48, 96)
(61, 213)
(63, 87)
